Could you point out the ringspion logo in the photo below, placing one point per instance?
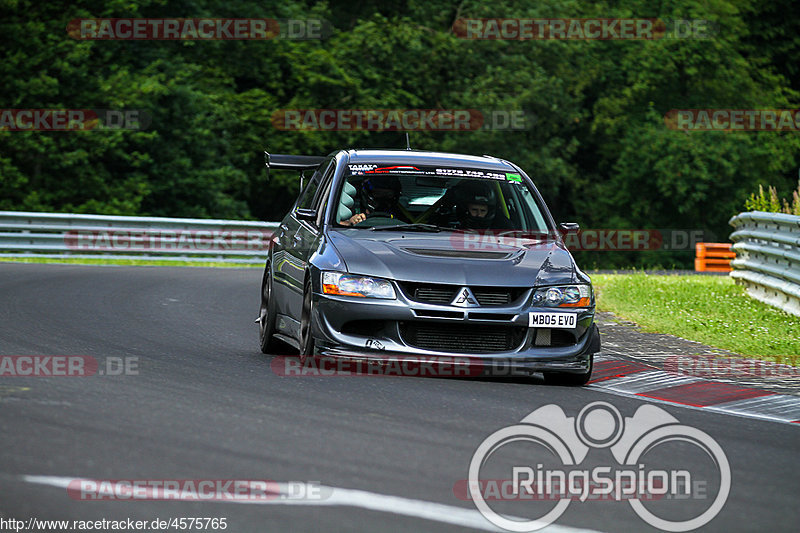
(542, 459)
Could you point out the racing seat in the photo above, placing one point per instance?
(346, 202)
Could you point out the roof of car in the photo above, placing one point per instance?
(421, 157)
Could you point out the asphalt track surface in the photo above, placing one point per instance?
(206, 404)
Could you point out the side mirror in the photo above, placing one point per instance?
(569, 227)
(306, 214)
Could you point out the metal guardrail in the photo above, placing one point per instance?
(767, 263)
(55, 235)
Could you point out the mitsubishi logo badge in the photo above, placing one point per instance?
(465, 298)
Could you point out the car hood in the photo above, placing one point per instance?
(454, 258)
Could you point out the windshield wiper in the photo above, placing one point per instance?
(410, 227)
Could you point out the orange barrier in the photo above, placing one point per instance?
(713, 257)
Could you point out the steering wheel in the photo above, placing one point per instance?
(379, 214)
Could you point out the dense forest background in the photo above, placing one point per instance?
(599, 149)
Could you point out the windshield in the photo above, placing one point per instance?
(374, 196)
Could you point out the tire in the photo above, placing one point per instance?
(576, 380)
(267, 315)
(307, 342)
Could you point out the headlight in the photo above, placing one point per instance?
(352, 285)
(564, 296)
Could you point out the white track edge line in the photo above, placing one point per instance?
(372, 501)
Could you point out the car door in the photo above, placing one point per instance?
(302, 240)
(285, 264)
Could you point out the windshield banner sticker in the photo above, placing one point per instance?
(365, 169)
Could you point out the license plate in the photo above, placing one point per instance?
(552, 320)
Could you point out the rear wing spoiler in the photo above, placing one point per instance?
(292, 162)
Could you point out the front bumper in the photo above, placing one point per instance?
(387, 331)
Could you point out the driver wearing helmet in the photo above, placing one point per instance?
(477, 207)
(379, 196)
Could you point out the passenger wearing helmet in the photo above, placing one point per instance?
(477, 207)
(379, 196)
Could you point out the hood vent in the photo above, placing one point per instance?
(460, 254)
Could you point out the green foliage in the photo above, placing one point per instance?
(771, 204)
(597, 144)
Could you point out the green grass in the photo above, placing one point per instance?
(126, 262)
(712, 310)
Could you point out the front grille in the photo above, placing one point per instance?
(560, 337)
(462, 338)
(490, 297)
(430, 294)
(444, 294)
(554, 337)
(491, 316)
(435, 313)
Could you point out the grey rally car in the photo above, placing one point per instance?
(399, 253)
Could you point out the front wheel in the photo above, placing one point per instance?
(266, 315)
(576, 380)
(307, 343)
